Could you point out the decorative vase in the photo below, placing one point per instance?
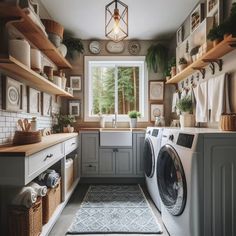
(62, 49)
(133, 122)
(186, 120)
(102, 122)
(187, 57)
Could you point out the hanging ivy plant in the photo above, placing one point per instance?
(156, 58)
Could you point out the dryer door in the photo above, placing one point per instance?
(171, 180)
(149, 158)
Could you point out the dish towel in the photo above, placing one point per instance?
(40, 190)
(218, 99)
(200, 93)
(26, 197)
(175, 100)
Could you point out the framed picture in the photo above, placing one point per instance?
(46, 102)
(33, 100)
(156, 110)
(156, 90)
(74, 108)
(75, 82)
(179, 35)
(196, 17)
(214, 9)
(12, 94)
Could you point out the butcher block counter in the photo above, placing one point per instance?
(29, 149)
(21, 164)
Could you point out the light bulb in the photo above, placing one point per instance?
(116, 27)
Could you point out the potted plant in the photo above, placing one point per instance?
(133, 115)
(156, 58)
(186, 107)
(194, 52)
(182, 64)
(172, 65)
(74, 46)
(187, 54)
(64, 123)
(215, 35)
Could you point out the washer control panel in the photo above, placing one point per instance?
(185, 140)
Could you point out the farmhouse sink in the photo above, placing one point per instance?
(116, 137)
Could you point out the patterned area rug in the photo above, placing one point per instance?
(114, 209)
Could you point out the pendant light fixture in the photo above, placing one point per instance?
(116, 21)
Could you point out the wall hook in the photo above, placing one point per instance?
(219, 62)
(201, 70)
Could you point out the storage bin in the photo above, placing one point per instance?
(25, 221)
(51, 201)
(69, 174)
(228, 122)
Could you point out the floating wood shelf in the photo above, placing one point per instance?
(16, 69)
(33, 33)
(215, 53)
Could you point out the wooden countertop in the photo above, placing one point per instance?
(98, 129)
(29, 149)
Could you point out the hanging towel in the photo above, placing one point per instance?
(218, 100)
(40, 190)
(200, 93)
(26, 197)
(50, 178)
(175, 100)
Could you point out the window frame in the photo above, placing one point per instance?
(118, 60)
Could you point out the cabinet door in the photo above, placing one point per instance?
(124, 162)
(139, 154)
(107, 161)
(89, 147)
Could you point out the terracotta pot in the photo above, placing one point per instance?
(182, 67)
(226, 36)
(215, 42)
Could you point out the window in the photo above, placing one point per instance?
(115, 84)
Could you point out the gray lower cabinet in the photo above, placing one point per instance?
(124, 161)
(107, 163)
(139, 154)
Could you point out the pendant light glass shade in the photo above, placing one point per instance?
(116, 21)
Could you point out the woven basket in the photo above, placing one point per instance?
(228, 122)
(51, 201)
(53, 27)
(22, 137)
(24, 221)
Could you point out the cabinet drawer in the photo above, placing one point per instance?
(71, 145)
(44, 158)
(90, 169)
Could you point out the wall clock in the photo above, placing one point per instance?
(134, 47)
(114, 47)
(95, 47)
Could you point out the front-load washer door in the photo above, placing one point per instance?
(149, 158)
(171, 180)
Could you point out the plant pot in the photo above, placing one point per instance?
(167, 78)
(188, 58)
(194, 58)
(133, 122)
(186, 120)
(226, 36)
(182, 67)
(215, 42)
(173, 71)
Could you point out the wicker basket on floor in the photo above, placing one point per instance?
(25, 221)
(51, 201)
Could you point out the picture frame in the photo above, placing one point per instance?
(12, 94)
(214, 9)
(33, 101)
(156, 109)
(156, 90)
(75, 82)
(74, 108)
(46, 104)
(196, 17)
(179, 36)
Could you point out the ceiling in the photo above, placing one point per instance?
(148, 19)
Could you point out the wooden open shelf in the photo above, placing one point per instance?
(217, 52)
(33, 33)
(12, 67)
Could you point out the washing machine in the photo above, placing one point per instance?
(151, 149)
(197, 181)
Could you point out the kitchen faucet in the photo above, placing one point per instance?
(114, 121)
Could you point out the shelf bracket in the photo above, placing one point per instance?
(201, 70)
(219, 62)
(232, 45)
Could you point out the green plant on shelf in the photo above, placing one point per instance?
(185, 104)
(134, 114)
